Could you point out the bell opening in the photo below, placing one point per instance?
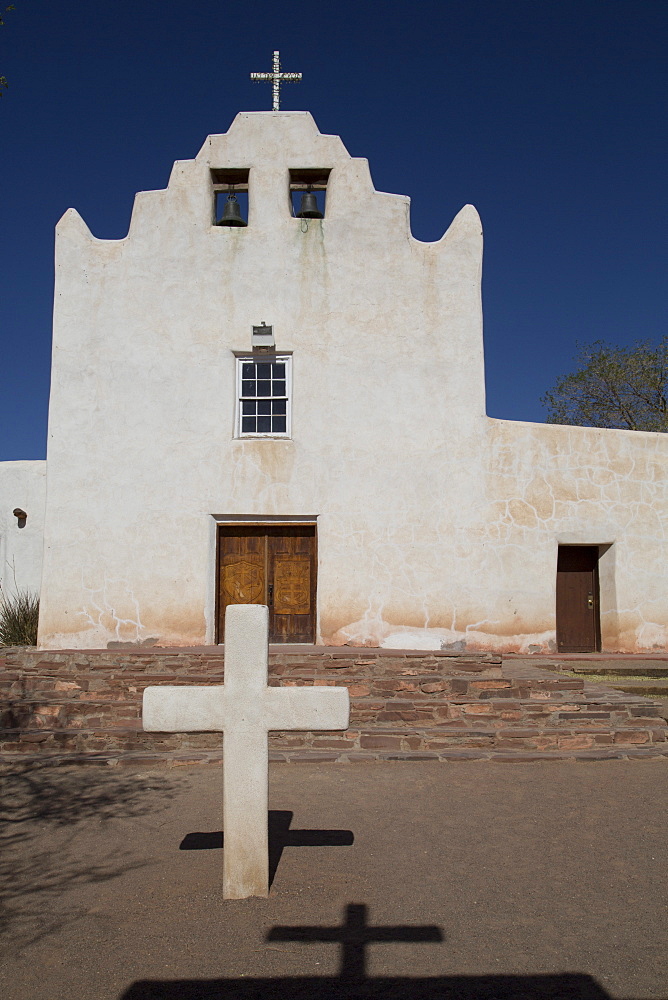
(308, 206)
(232, 211)
(308, 192)
(230, 196)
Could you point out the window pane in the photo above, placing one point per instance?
(263, 396)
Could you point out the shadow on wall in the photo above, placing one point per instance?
(353, 936)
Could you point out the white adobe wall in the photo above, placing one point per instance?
(550, 484)
(386, 334)
(422, 536)
(541, 486)
(23, 486)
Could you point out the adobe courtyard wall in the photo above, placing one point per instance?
(491, 580)
(23, 487)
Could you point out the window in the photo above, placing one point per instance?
(263, 396)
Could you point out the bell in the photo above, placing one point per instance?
(231, 213)
(309, 207)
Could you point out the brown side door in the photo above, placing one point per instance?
(273, 565)
(578, 617)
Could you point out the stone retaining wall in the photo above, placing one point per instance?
(88, 702)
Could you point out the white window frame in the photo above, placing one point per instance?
(285, 359)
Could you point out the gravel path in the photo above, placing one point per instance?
(421, 880)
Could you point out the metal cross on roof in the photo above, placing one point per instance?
(277, 79)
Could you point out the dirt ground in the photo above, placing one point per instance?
(467, 881)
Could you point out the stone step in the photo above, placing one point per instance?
(110, 685)
(115, 688)
(131, 738)
(176, 661)
(648, 679)
(82, 710)
(625, 668)
(655, 688)
(175, 758)
(103, 680)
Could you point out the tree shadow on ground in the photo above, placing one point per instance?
(42, 812)
(280, 837)
(352, 981)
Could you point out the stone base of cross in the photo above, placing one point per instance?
(245, 710)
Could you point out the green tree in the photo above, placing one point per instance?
(623, 387)
(3, 79)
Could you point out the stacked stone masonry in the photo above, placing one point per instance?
(85, 705)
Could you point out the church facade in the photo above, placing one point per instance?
(292, 413)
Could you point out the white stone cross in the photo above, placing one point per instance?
(277, 79)
(245, 709)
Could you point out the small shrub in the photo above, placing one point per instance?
(19, 616)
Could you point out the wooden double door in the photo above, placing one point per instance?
(273, 565)
(578, 615)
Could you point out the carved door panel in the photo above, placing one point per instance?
(242, 569)
(291, 574)
(578, 619)
(272, 565)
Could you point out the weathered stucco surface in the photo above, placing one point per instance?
(541, 486)
(22, 486)
(436, 524)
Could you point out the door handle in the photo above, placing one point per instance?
(270, 594)
(590, 600)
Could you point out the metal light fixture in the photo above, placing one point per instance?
(263, 336)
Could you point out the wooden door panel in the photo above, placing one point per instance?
(273, 565)
(242, 574)
(292, 584)
(578, 624)
(291, 573)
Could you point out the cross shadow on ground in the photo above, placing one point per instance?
(42, 809)
(280, 837)
(353, 935)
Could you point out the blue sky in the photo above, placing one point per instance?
(548, 115)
